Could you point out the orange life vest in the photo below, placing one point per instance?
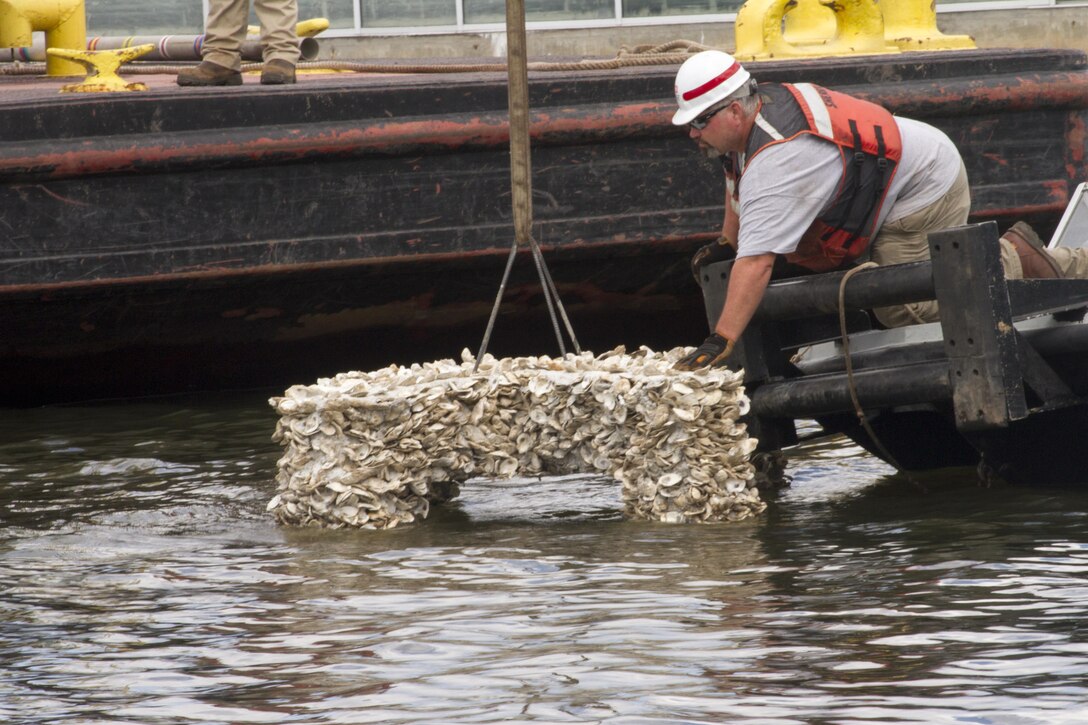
(870, 148)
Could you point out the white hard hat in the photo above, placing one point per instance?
(704, 79)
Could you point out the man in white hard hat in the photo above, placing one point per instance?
(824, 179)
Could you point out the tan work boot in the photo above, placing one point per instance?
(209, 74)
(277, 73)
(1034, 259)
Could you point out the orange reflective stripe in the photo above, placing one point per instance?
(841, 109)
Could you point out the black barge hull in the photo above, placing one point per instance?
(188, 239)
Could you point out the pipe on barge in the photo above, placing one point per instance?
(166, 48)
(874, 287)
(825, 394)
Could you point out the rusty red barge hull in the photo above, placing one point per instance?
(192, 239)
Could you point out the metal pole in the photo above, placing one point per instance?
(517, 73)
(495, 307)
(538, 259)
(521, 191)
(549, 285)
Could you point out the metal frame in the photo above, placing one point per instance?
(963, 396)
(1078, 206)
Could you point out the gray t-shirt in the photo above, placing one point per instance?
(788, 185)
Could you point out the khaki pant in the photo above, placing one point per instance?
(225, 30)
(1072, 262)
(904, 240)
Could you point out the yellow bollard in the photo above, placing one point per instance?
(809, 22)
(912, 25)
(64, 23)
(858, 29)
(101, 67)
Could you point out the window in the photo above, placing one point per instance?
(661, 8)
(144, 17)
(349, 17)
(494, 11)
(408, 13)
(340, 13)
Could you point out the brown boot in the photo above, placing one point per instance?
(209, 74)
(1035, 260)
(277, 73)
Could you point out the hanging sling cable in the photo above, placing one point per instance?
(521, 181)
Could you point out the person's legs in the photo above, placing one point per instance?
(1025, 256)
(279, 40)
(1022, 255)
(905, 240)
(224, 32)
(1072, 262)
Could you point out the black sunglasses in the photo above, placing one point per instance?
(701, 122)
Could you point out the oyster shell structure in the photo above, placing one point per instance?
(376, 449)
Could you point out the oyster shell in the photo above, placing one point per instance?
(375, 449)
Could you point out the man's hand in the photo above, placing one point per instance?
(713, 351)
(718, 251)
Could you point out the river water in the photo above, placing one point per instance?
(143, 582)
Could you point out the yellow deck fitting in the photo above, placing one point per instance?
(304, 29)
(310, 28)
(64, 23)
(101, 67)
(858, 28)
(912, 25)
(809, 22)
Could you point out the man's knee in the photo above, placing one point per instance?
(915, 313)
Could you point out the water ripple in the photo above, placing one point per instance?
(143, 583)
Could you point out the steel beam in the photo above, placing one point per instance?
(826, 394)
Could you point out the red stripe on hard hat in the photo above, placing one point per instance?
(712, 83)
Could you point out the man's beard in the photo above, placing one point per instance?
(709, 151)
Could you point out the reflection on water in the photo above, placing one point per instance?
(143, 583)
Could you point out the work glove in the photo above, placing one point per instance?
(717, 251)
(714, 350)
